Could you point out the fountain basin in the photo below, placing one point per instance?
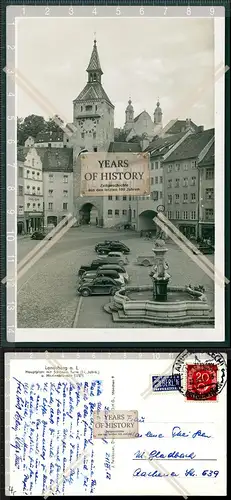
(184, 306)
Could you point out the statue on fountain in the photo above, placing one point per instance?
(159, 273)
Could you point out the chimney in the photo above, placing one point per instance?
(188, 123)
(200, 128)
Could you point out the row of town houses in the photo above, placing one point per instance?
(181, 179)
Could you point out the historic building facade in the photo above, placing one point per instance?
(181, 182)
(32, 188)
(206, 195)
(21, 224)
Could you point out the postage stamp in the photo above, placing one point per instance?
(115, 424)
(165, 383)
(202, 376)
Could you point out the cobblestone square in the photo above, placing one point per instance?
(47, 292)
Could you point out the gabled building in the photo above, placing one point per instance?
(206, 195)
(181, 181)
(178, 126)
(49, 140)
(142, 123)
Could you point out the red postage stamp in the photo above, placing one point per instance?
(201, 382)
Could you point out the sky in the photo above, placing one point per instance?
(144, 59)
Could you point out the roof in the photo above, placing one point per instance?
(94, 64)
(49, 136)
(124, 147)
(93, 91)
(192, 146)
(179, 126)
(208, 159)
(53, 159)
(137, 117)
(160, 146)
(57, 159)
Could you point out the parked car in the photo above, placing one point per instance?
(122, 259)
(90, 267)
(108, 273)
(110, 260)
(39, 235)
(99, 286)
(206, 249)
(146, 260)
(116, 267)
(112, 246)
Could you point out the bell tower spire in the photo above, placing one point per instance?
(94, 68)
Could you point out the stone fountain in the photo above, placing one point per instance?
(159, 303)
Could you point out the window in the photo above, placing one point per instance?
(49, 144)
(209, 194)
(88, 108)
(34, 204)
(152, 166)
(177, 183)
(209, 173)
(32, 163)
(169, 214)
(95, 150)
(28, 189)
(193, 181)
(96, 108)
(33, 188)
(156, 165)
(169, 199)
(185, 198)
(38, 189)
(209, 214)
(50, 192)
(117, 198)
(20, 171)
(185, 166)
(130, 198)
(193, 164)
(38, 205)
(20, 190)
(64, 206)
(51, 178)
(156, 180)
(27, 173)
(109, 213)
(169, 168)
(177, 167)
(20, 210)
(177, 198)
(193, 197)
(117, 212)
(155, 195)
(28, 205)
(134, 213)
(81, 108)
(169, 183)
(193, 215)
(50, 206)
(161, 194)
(124, 212)
(185, 215)
(161, 179)
(67, 140)
(124, 197)
(185, 182)
(177, 214)
(65, 192)
(109, 198)
(33, 175)
(65, 179)
(152, 180)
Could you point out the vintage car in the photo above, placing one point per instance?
(39, 235)
(112, 246)
(108, 273)
(99, 286)
(145, 260)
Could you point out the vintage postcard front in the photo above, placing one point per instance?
(115, 424)
(115, 190)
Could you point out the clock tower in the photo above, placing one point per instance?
(93, 117)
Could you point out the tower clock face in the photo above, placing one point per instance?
(88, 125)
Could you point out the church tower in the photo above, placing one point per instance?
(93, 117)
(93, 112)
(129, 116)
(158, 125)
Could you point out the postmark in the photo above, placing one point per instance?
(115, 424)
(165, 383)
(203, 376)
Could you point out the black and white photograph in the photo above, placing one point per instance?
(120, 267)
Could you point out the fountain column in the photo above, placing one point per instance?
(159, 275)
